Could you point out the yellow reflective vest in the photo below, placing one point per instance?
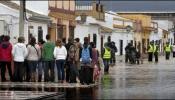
(107, 54)
(168, 48)
(151, 48)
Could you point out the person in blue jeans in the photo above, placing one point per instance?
(34, 54)
(60, 53)
(48, 59)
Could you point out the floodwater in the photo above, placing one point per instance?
(125, 81)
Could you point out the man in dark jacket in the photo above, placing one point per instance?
(127, 52)
(67, 65)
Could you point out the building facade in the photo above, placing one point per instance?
(62, 13)
(36, 24)
(142, 29)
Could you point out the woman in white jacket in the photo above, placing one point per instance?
(19, 53)
(60, 53)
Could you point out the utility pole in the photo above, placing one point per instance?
(21, 18)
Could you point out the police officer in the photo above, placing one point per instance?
(150, 51)
(168, 49)
(156, 53)
(106, 54)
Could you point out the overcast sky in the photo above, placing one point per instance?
(118, 5)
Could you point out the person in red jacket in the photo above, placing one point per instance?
(6, 58)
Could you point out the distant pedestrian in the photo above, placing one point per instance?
(34, 54)
(127, 49)
(156, 52)
(6, 58)
(106, 54)
(60, 53)
(150, 51)
(48, 58)
(168, 50)
(173, 47)
(19, 53)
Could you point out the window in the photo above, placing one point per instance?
(95, 38)
(40, 33)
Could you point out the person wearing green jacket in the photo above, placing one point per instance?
(48, 58)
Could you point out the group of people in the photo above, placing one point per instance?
(153, 51)
(132, 54)
(75, 62)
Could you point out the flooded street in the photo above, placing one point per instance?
(125, 81)
(146, 81)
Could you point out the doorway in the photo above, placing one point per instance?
(121, 47)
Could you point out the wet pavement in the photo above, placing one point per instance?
(125, 81)
(145, 81)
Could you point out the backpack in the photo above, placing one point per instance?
(85, 55)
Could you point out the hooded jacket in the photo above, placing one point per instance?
(47, 51)
(19, 52)
(5, 51)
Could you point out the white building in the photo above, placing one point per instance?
(99, 31)
(122, 31)
(92, 28)
(163, 34)
(36, 24)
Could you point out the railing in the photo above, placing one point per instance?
(84, 7)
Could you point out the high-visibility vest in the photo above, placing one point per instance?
(155, 48)
(107, 54)
(168, 48)
(151, 49)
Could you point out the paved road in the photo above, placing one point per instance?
(146, 81)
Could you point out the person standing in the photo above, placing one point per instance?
(60, 53)
(40, 63)
(73, 55)
(168, 50)
(156, 51)
(173, 47)
(48, 58)
(67, 65)
(95, 64)
(34, 54)
(19, 53)
(150, 51)
(6, 58)
(127, 52)
(85, 60)
(79, 47)
(106, 54)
